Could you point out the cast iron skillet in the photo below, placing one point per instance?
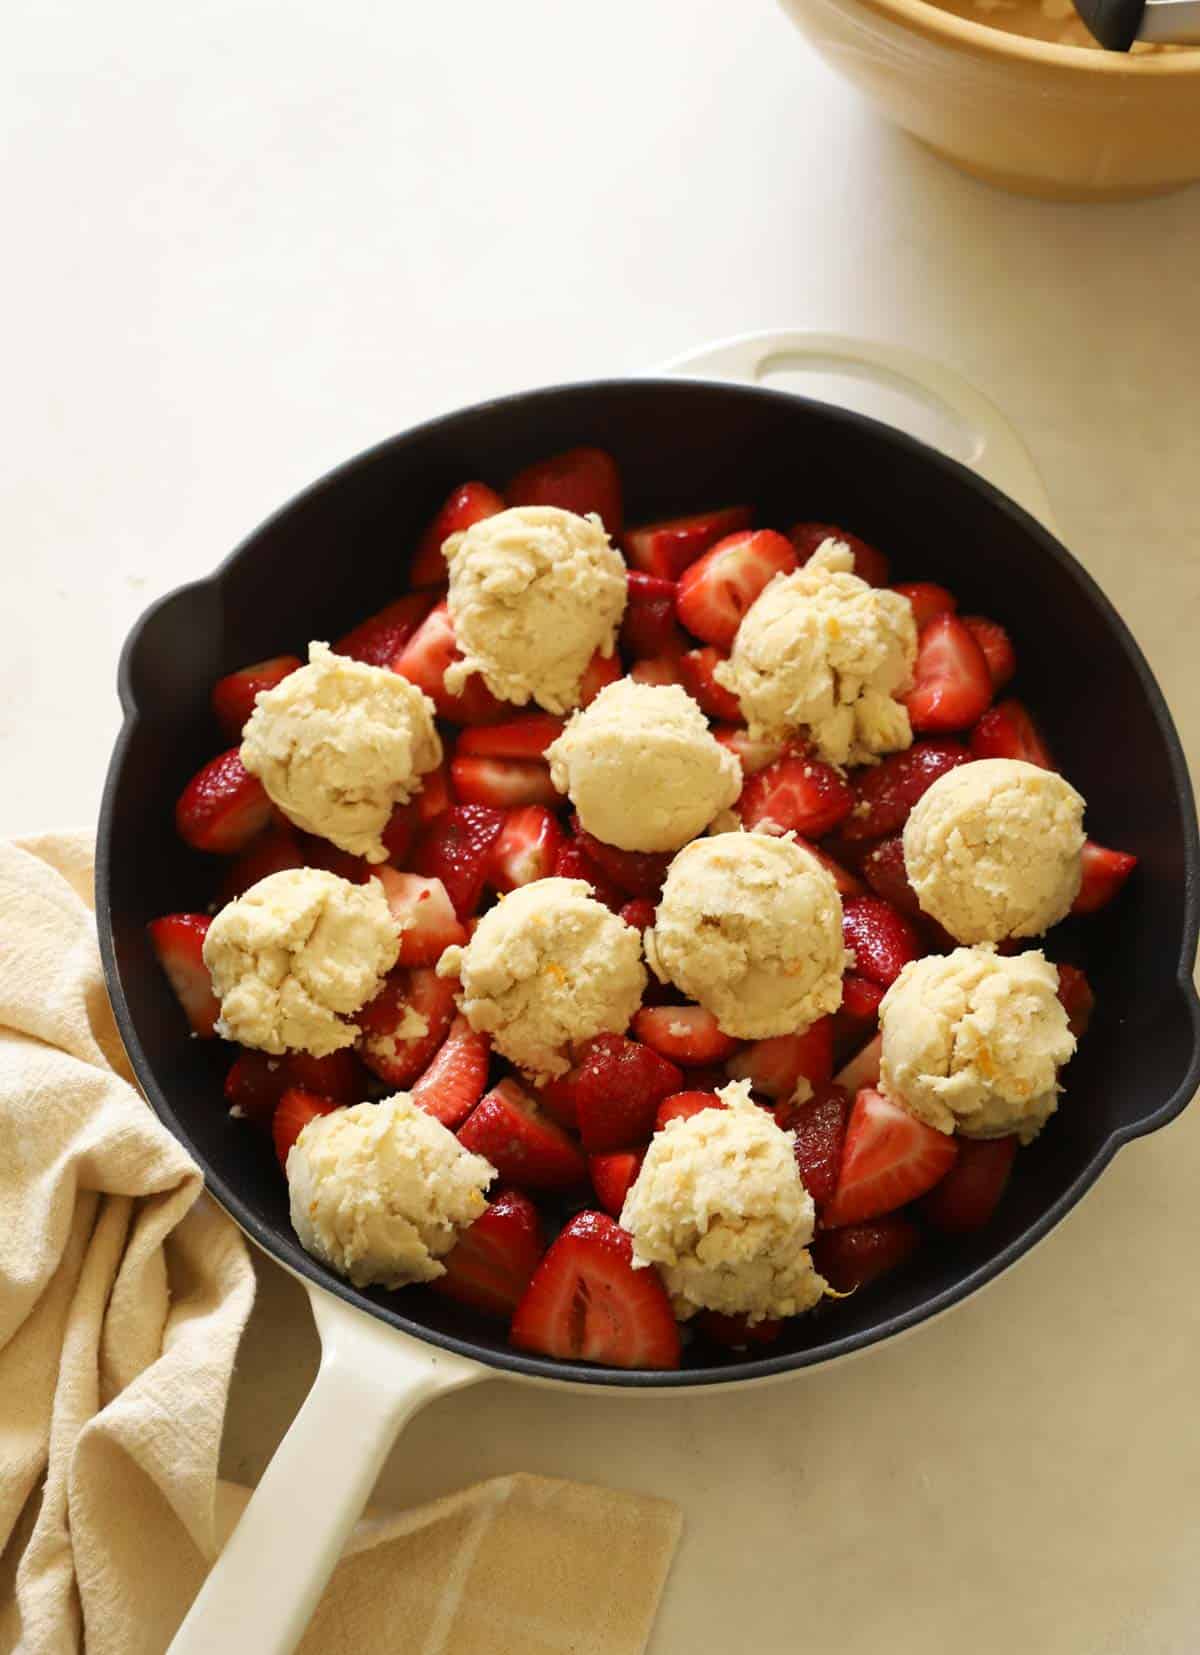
(338, 552)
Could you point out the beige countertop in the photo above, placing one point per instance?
(252, 251)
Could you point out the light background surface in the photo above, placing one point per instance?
(244, 240)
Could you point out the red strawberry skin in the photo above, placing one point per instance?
(666, 548)
(796, 794)
(233, 696)
(696, 668)
(491, 1264)
(869, 563)
(519, 738)
(617, 1087)
(525, 848)
(613, 1176)
(1104, 873)
(886, 872)
(970, 1192)
(636, 873)
(883, 940)
(717, 590)
(586, 1302)
(178, 942)
(859, 1254)
(524, 1145)
(820, 1136)
(505, 784)
(681, 1106)
(396, 1058)
(292, 1114)
(457, 848)
(649, 627)
(223, 807)
(573, 862)
(775, 1067)
(423, 661)
(735, 1332)
(274, 850)
(602, 670)
(469, 504)
(885, 794)
(377, 640)
(457, 1078)
(927, 600)
(997, 648)
(581, 480)
(687, 1035)
(1007, 731)
(952, 687)
(638, 913)
(890, 1159)
(1077, 998)
(256, 1082)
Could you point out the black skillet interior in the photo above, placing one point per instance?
(339, 552)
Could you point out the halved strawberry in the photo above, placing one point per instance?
(848, 884)
(775, 1067)
(616, 1088)
(1007, 731)
(525, 849)
(869, 563)
(581, 480)
(275, 849)
(490, 1265)
(752, 752)
(469, 504)
(890, 1158)
(649, 627)
(456, 848)
(696, 668)
(435, 797)
(613, 1177)
(511, 1130)
(636, 872)
(861, 997)
(573, 862)
(717, 590)
(1104, 873)
(292, 1114)
(423, 661)
(883, 939)
(681, 1106)
(820, 1137)
(424, 916)
(223, 807)
(927, 600)
(586, 1302)
(639, 913)
(886, 873)
(735, 1332)
(602, 670)
(504, 783)
(519, 738)
(970, 1192)
(862, 1069)
(885, 794)
(856, 1019)
(667, 547)
(687, 1035)
(457, 1078)
(406, 1022)
(178, 943)
(796, 794)
(997, 648)
(407, 821)
(952, 685)
(1077, 997)
(233, 696)
(379, 638)
(256, 1081)
(658, 669)
(852, 1257)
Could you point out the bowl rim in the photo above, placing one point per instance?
(515, 1362)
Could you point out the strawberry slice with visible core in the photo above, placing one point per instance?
(178, 943)
(581, 480)
(520, 738)
(775, 1067)
(457, 1078)
(820, 1136)
(885, 794)
(717, 590)
(1104, 873)
(424, 916)
(586, 1302)
(406, 1022)
(1007, 731)
(927, 600)
(883, 940)
(869, 563)
(490, 1265)
(223, 807)
(457, 848)
(525, 849)
(952, 685)
(504, 783)
(852, 1257)
(997, 648)
(970, 1192)
(527, 1148)
(796, 794)
(423, 661)
(696, 668)
(292, 1114)
(649, 627)
(890, 1158)
(469, 504)
(687, 1035)
(377, 640)
(233, 696)
(667, 547)
(613, 1177)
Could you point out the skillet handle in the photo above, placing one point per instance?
(985, 440)
(263, 1588)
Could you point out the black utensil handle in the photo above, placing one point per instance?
(1115, 23)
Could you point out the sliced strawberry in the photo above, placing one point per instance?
(687, 1035)
(178, 943)
(775, 1067)
(997, 648)
(223, 807)
(970, 1192)
(852, 1257)
(796, 794)
(891, 1158)
(752, 753)
(617, 1086)
(885, 794)
(681, 1106)
(848, 884)
(883, 940)
(505, 783)
(256, 1082)
(952, 685)
(666, 548)
(869, 564)
(393, 1044)
(527, 1148)
(320, 853)
(639, 913)
(602, 670)
(586, 1302)
(275, 849)
(233, 696)
(886, 873)
(927, 600)
(435, 797)
(636, 872)
(1104, 873)
(457, 848)
(1077, 997)
(613, 1177)
(423, 661)
(424, 916)
(649, 627)
(525, 849)
(820, 1136)
(861, 997)
(292, 1114)
(581, 480)
(573, 862)
(469, 504)
(696, 668)
(524, 738)
(457, 1078)
(856, 1018)
(658, 669)
(735, 1332)
(1007, 731)
(490, 1265)
(379, 638)
(717, 590)
(862, 1069)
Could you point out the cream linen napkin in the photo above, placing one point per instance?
(123, 1294)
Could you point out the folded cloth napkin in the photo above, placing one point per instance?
(123, 1294)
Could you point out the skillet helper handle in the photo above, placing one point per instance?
(989, 443)
(263, 1588)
